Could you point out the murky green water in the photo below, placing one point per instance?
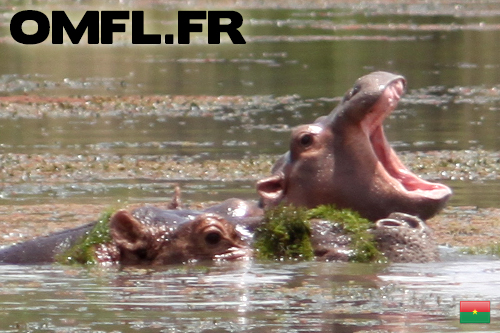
(448, 54)
(248, 297)
(314, 51)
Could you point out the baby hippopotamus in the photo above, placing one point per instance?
(145, 236)
(344, 159)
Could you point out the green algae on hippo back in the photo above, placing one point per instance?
(349, 231)
(84, 251)
(284, 234)
(331, 234)
(324, 232)
(145, 236)
(344, 159)
(154, 236)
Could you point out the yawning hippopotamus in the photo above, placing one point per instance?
(344, 159)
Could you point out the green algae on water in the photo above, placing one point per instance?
(83, 252)
(285, 234)
(486, 249)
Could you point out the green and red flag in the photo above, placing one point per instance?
(475, 312)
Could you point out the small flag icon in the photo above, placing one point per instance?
(475, 312)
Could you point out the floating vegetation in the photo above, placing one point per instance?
(488, 249)
(286, 233)
(83, 252)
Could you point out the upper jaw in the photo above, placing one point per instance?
(372, 92)
(389, 165)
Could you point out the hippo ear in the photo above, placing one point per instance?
(127, 232)
(271, 189)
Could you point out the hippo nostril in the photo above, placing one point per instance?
(352, 92)
(213, 238)
(411, 220)
(388, 222)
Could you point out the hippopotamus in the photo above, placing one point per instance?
(342, 159)
(153, 236)
(400, 237)
(345, 159)
(405, 238)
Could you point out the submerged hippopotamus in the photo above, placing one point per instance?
(151, 236)
(400, 237)
(154, 236)
(344, 159)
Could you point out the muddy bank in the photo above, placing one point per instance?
(467, 227)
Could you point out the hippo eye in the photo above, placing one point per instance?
(213, 238)
(306, 140)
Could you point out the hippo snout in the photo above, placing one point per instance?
(405, 238)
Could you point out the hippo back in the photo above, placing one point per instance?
(43, 249)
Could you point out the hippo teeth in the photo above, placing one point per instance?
(233, 253)
(394, 169)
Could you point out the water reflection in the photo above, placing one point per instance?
(310, 51)
(262, 297)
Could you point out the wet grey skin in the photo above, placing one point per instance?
(151, 236)
(400, 237)
(154, 236)
(43, 249)
(345, 159)
(405, 238)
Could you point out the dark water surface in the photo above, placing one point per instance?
(312, 52)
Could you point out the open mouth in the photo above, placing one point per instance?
(390, 166)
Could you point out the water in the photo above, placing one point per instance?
(248, 297)
(307, 53)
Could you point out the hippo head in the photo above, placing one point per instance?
(156, 241)
(344, 159)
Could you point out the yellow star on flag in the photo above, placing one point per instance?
(475, 312)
